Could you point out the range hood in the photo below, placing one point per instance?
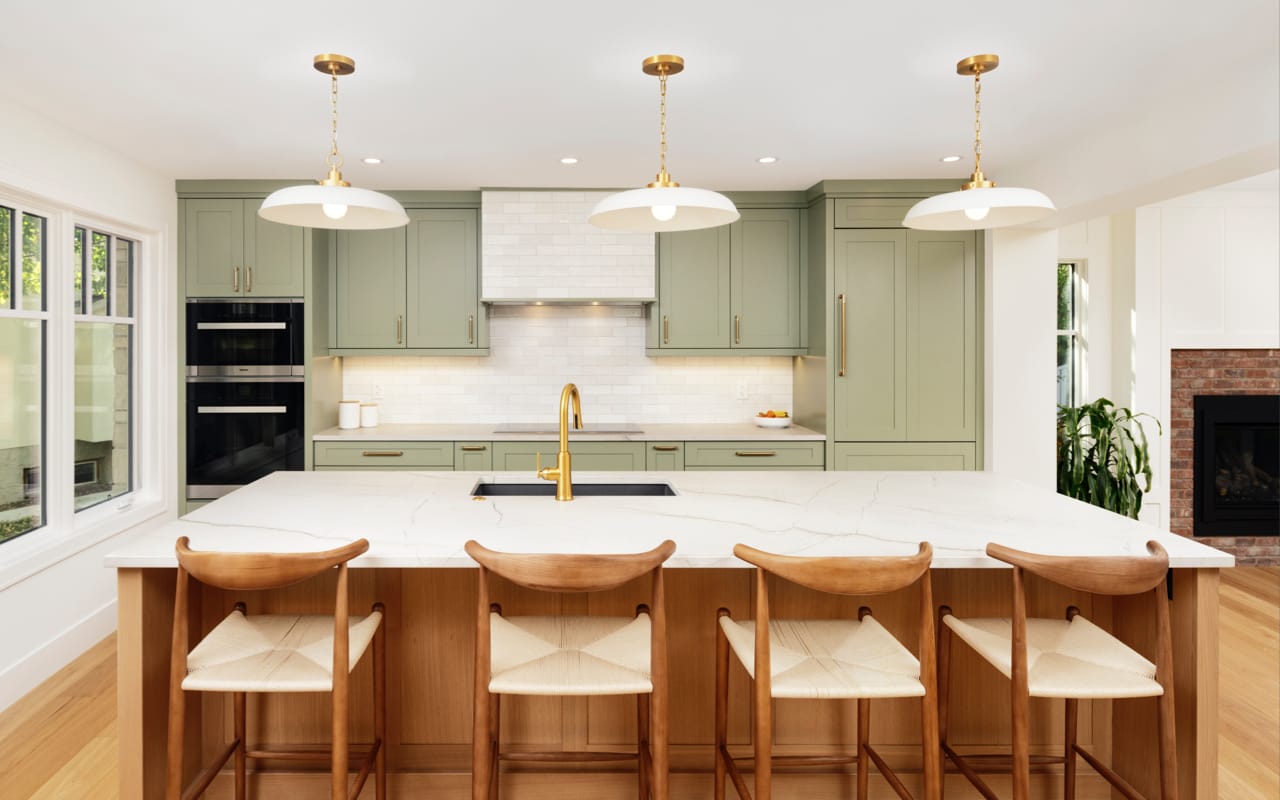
(537, 248)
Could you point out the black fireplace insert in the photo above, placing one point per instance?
(1237, 465)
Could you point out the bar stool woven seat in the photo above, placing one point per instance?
(570, 655)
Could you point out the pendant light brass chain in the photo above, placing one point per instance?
(334, 159)
(977, 122)
(662, 157)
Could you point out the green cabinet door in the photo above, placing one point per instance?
(904, 456)
(586, 456)
(472, 457)
(870, 322)
(443, 279)
(942, 330)
(765, 278)
(693, 289)
(665, 456)
(370, 277)
(213, 239)
(274, 256)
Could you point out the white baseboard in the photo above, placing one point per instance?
(36, 667)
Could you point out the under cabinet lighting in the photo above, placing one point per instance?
(372, 160)
(766, 160)
(949, 159)
(568, 160)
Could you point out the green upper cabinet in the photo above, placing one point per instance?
(732, 288)
(414, 289)
(906, 328)
(231, 252)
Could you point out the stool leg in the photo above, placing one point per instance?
(944, 671)
(341, 741)
(380, 708)
(722, 705)
(1069, 751)
(238, 703)
(644, 764)
(864, 736)
(495, 744)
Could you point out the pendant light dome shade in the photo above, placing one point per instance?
(321, 206)
(663, 205)
(973, 209)
(684, 209)
(332, 202)
(979, 204)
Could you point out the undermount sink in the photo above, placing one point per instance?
(548, 489)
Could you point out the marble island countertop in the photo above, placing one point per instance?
(422, 519)
(648, 432)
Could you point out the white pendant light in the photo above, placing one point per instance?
(663, 205)
(332, 202)
(980, 203)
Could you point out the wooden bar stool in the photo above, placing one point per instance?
(841, 658)
(571, 656)
(1070, 658)
(275, 653)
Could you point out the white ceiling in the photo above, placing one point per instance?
(493, 93)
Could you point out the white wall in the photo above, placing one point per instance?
(56, 598)
(1021, 274)
(1207, 275)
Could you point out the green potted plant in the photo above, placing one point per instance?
(1103, 457)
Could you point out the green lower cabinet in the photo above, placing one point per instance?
(754, 455)
(384, 455)
(904, 456)
(473, 456)
(587, 456)
(664, 456)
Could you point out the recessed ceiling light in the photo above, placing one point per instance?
(372, 160)
(568, 160)
(766, 160)
(949, 159)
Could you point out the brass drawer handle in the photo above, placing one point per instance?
(471, 329)
(844, 337)
(755, 453)
(666, 330)
(248, 279)
(382, 453)
(666, 448)
(235, 279)
(472, 448)
(737, 329)
(399, 329)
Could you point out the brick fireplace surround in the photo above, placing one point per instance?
(1214, 372)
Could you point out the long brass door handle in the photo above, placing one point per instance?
(755, 453)
(248, 279)
(737, 329)
(470, 448)
(666, 448)
(666, 330)
(399, 329)
(844, 337)
(471, 329)
(235, 279)
(382, 453)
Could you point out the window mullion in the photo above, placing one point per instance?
(59, 375)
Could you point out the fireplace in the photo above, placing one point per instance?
(1237, 465)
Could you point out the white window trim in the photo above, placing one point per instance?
(1079, 305)
(67, 532)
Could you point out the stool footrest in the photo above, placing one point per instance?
(570, 755)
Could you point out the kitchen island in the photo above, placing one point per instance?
(417, 522)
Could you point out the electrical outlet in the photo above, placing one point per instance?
(377, 391)
(742, 390)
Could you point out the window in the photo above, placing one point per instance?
(1070, 340)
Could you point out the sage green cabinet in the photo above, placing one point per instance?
(665, 456)
(473, 456)
(384, 455)
(587, 456)
(229, 251)
(904, 455)
(906, 332)
(754, 455)
(415, 288)
(736, 287)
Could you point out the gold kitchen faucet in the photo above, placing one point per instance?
(561, 473)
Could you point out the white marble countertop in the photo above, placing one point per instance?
(690, 432)
(422, 519)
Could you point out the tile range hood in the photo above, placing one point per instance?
(537, 248)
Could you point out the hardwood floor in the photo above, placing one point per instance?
(60, 740)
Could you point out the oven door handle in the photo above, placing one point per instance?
(242, 409)
(241, 326)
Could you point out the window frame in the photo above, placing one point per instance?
(1077, 340)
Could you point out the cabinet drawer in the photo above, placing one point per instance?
(872, 212)
(753, 455)
(473, 456)
(667, 456)
(384, 455)
(905, 455)
(587, 456)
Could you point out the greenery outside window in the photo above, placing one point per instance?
(1070, 334)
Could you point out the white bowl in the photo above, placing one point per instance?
(772, 422)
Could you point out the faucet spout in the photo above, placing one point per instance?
(561, 473)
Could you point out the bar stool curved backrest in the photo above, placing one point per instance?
(571, 655)
(838, 648)
(273, 653)
(1075, 660)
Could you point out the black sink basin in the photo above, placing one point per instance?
(548, 489)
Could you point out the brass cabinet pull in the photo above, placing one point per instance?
(471, 329)
(844, 336)
(382, 453)
(471, 448)
(235, 279)
(755, 453)
(737, 329)
(666, 448)
(248, 279)
(666, 330)
(400, 329)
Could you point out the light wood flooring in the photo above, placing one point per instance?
(60, 740)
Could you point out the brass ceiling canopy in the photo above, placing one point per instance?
(976, 65)
(663, 64)
(334, 64)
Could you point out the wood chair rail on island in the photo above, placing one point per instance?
(571, 655)
(274, 653)
(842, 658)
(1071, 659)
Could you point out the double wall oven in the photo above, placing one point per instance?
(244, 392)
